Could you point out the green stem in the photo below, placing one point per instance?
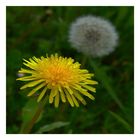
(105, 80)
(28, 127)
(84, 61)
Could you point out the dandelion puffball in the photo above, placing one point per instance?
(93, 36)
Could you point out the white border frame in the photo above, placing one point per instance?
(4, 3)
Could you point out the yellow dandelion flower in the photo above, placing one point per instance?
(62, 76)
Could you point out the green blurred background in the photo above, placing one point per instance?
(35, 31)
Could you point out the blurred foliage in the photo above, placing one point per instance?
(35, 31)
(51, 126)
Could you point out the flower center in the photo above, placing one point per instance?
(57, 74)
(92, 35)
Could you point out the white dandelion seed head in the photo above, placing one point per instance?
(93, 36)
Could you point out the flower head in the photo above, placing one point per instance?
(61, 76)
(94, 36)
